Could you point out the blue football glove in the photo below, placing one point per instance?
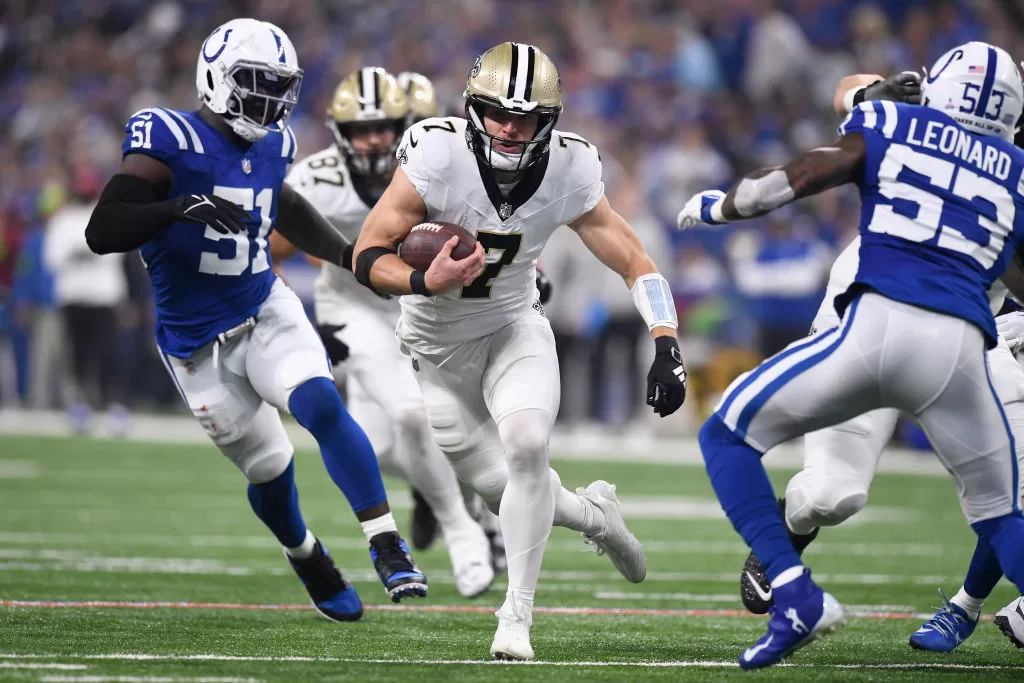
(698, 210)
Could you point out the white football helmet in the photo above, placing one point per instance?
(249, 74)
(979, 86)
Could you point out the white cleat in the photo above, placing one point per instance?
(470, 554)
(512, 639)
(622, 547)
(1010, 621)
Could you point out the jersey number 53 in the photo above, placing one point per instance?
(917, 213)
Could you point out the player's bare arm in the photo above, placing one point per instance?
(377, 265)
(767, 189)
(307, 230)
(856, 88)
(610, 238)
(280, 248)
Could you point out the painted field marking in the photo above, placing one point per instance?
(43, 665)
(145, 657)
(443, 609)
(708, 547)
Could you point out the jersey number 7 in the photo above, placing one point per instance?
(508, 245)
(213, 263)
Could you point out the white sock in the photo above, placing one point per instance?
(379, 525)
(968, 604)
(303, 551)
(522, 599)
(576, 512)
(791, 574)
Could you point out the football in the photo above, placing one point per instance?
(425, 240)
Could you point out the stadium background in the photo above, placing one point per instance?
(679, 96)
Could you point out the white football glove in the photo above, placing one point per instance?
(698, 210)
(1011, 329)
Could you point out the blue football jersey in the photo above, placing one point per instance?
(942, 210)
(204, 282)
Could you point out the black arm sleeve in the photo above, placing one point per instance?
(131, 211)
(305, 227)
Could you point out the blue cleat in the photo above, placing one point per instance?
(399, 574)
(945, 631)
(802, 612)
(333, 597)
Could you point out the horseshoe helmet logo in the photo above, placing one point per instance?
(224, 43)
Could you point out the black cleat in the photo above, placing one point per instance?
(424, 523)
(755, 589)
(333, 597)
(399, 574)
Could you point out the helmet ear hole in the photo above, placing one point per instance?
(209, 79)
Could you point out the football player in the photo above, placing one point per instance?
(840, 461)
(423, 104)
(367, 115)
(939, 225)
(198, 193)
(482, 348)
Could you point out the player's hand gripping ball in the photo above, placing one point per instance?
(425, 241)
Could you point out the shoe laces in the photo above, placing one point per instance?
(391, 551)
(946, 621)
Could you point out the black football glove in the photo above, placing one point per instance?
(544, 286)
(902, 87)
(666, 380)
(337, 350)
(220, 214)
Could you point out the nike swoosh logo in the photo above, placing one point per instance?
(753, 651)
(412, 141)
(766, 596)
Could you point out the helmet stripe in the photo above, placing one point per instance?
(280, 47)
(986, 86)
(530, 64)
(368, 88)
(513, 72)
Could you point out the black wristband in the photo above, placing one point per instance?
(418, 283)
(346, 257)
(665, 344)
(858, 96)
(367, 257)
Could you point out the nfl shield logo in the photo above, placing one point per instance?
(505, 210)
(246, 166)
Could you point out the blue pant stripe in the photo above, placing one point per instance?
(755, 404)
(1013, 444)
(766, 366)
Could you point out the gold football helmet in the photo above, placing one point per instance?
(369, 99)
(517, 78)
(421, 94)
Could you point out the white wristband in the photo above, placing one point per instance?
(848, 104)
(653, 298)
(716, 211)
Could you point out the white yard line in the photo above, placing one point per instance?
(145, 657)
(43, 665)
(596, 446)
(708, 547)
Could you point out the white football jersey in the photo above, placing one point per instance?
(513, 230)
(324, 180)
(844, 272)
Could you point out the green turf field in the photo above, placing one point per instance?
(168, 529)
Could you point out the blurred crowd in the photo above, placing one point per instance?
(680, 96)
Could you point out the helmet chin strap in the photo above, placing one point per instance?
(248, 131)
(505, 161)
